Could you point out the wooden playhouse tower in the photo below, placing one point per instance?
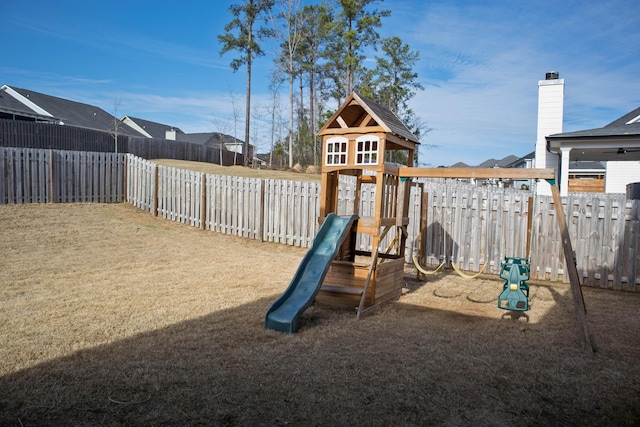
(355, 143)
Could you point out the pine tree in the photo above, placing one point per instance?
(246, 15)
(354, 29)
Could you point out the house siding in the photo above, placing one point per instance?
(619, 174)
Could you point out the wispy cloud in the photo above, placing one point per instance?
(481, 63)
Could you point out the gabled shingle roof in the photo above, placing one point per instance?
(10, 105)
(156, 130)
(507, 162)
(460, 165)
(63, 111)
(618, 127)
(395, 125)
(493, 163)
(212, 139)
(351, 113)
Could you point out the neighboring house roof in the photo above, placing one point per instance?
(510, 161)
(502, 163)
(151, 129)
(627, 125)
(10, 106)
(460, 165)
(619, 140)
(41, 107)
(211, 139)
(23, 104)
(521, 161)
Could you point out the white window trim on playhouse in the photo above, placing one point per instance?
(337, 150)
(367, 150)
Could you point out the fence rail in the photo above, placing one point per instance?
(473, 227)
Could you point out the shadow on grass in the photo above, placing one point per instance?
(405, 365)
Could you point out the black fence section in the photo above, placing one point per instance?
(23, 134)
(39, 135)
(148, 148)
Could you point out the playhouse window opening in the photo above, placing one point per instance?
(367, 150)
(336, 151)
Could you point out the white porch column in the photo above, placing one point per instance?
(564, 171)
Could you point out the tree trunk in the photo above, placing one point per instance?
(312, 118)
(247, 125)
(273, 131)
(302, 150)
(247, 113)
(290, 116)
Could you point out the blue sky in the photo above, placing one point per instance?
(480, 62)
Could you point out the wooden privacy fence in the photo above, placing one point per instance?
(262, 209)
(41, 176)
(469, 226)
(605, 232)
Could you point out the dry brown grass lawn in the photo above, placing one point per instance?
(110, 316)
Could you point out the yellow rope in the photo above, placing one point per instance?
(422, 270)
(466, 276)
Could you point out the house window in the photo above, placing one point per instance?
(367, 150)
(336, 151)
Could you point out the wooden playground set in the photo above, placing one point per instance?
(356, 140)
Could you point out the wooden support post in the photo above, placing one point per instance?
(372, 268)
(422, 234)
(574, 279)
(358, 194)
(527, 248)
(402, 207)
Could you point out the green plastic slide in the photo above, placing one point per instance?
(285, 312)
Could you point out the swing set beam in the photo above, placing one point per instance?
(480, 173)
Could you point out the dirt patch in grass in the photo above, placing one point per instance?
(110, 316)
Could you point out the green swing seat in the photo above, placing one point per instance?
(515, 293)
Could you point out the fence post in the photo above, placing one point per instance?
(125, 184)
(203, 201)
(155, 189)
(52, 192)
(263, 215)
